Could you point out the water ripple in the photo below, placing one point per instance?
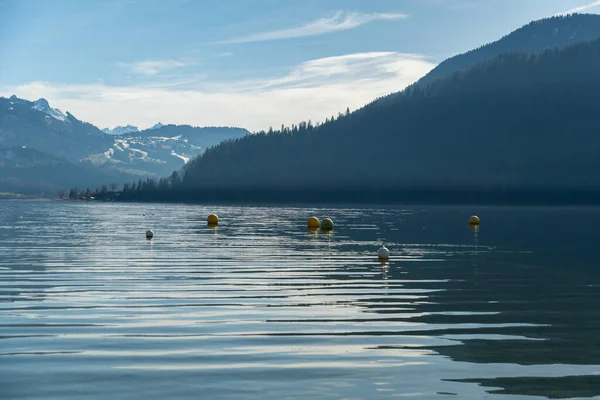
(262, 308)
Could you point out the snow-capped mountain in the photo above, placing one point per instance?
(128, 129)
(43, 106)
(121, 130)
(158, 125)
(37, 125)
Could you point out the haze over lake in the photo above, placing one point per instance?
(262, 308)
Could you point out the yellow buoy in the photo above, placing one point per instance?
(474, 220)
(313, 222)
(327, 224)
(212, 219)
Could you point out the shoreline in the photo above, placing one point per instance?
(366, 197)
(352, 197)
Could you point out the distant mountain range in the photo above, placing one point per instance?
(128, 129)
(159, 151)
(121, 153)
(512, 124)
(121, 130)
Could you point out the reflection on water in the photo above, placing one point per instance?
(261, 307)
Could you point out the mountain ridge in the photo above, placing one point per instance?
(121, 130)
(535, 37)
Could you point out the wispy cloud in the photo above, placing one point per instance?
(580, 9)
(339, 21)
(151, 68)
(314, 89)
(356, 67)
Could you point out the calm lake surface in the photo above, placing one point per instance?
(261, 308)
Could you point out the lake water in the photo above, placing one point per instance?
(261, 308)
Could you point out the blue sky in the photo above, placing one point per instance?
(249, 63)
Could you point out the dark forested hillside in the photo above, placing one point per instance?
(536, 37)
(25, 170)
(513, 123)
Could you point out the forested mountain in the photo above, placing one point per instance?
(516, 122)
(536, 37)
(28, 171)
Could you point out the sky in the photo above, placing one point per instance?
(246, 63)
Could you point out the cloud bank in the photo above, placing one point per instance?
(315, 90)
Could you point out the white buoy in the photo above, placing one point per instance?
(383, 253)
(149, 234)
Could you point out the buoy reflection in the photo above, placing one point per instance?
(475, 231)
(385, 268)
